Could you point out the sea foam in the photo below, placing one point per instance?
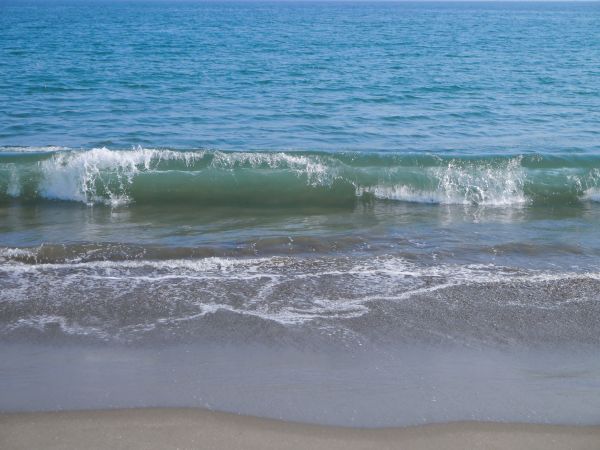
(202, 177)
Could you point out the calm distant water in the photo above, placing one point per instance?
(423, 77)
(388, 204)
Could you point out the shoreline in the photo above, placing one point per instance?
(162, 428)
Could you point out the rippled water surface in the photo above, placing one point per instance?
(395, 76)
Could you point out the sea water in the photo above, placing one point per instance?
(347, 213)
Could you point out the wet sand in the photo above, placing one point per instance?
(193, 428)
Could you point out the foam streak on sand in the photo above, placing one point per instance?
(190, 428)
(285, 290)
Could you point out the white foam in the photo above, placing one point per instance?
(385, 278)
(76, 176)
(399, 193)
(592, 194)
(462, 183)
(11, 253)
(106, 176)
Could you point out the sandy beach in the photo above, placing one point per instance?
(194, 428)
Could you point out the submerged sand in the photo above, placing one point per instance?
(192, 428)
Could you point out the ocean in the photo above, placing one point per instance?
(367, 214)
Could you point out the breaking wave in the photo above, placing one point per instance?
(202, 177)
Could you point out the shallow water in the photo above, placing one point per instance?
(397, 386)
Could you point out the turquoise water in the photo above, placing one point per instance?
(393, 205)
(426, 77)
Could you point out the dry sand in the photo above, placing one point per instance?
(191, 428)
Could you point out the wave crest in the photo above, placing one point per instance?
(202, 177)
